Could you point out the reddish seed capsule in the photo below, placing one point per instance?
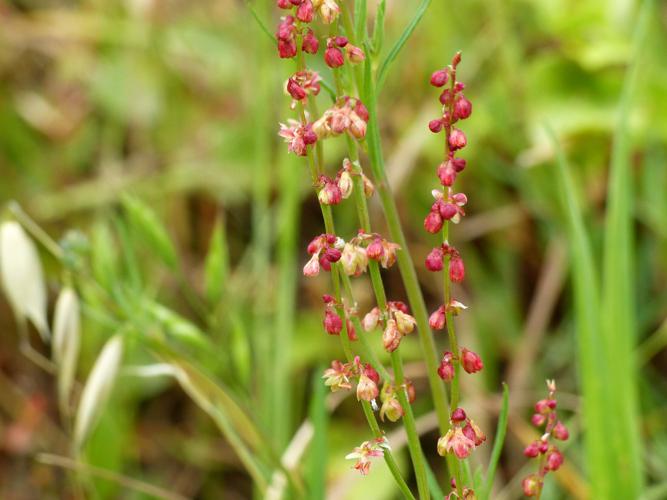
(538, 420)
(433, 222)
(457, 139)
(295, 90)
(310, 43)
(435, 125)
(531, 485)
(448, 210)
(284, 4)
(371, 373)
(333, 57)
(445, 97)
(542, 446)
(446, 174)
(286, 49)
(434, 260)
(456, 269)
(332, 254)
(375, 250)
(462, 108)
(554, 460)
(458, 415)
(309, 135)
(458, 164)
(531, 451)
(332, 323)
(437, 319)
(471, 362)
(361, 111)
(439, 78)
(305, 12)
(341, 41)
(560, 431)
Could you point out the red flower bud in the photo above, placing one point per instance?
(435, 125)
(446, 173)
(532, 485)
(560, 431)
(333, 57)
(542, 446)
(456, 269)
(433, 222)
(446, 369)
(309, 135)
(554, 460)
(458, 415)
(439, 78)
(295, 90)
(310, 43)
(457, 139)
(544, 406)
(286, 49)
(284, 4)
(434, 260)
(341, 41)
(445, 97)
(462, 108)
(361, 111)
(305, 11)
(458, 164)
(332, 322)
(532, 450)
(448, 210)
(371, 373)
(437, 320)
(538, 420)
(332, 254)
(471, 362)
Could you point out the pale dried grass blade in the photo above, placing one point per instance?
(22, 276)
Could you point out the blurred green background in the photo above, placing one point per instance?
(177, 103)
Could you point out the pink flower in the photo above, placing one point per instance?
(297, 136)
(338, 376)
(367, 450)
(354, 54)
(554, 460)
(455, 442)
(375, 250)
(371, 319)
(367, 389)
(312, 267)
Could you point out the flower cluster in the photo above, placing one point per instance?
(333, 324)
(549, 456)
(346, 115)
(334, 56)
(469, 360)
(396, 322)
(445, 209)
(302, 84)
(333, 190)
(391, 407)
(325, 250)
(367, 450)
(298, 136)
(340, 376)
(463, 436)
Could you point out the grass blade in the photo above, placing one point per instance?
(396, 49)
(378, 28)
(618, 305)
(360, 12)
(592, 366)
(501, 430)
(216, 267)
(317, 458)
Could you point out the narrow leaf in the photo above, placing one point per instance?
(148, 226)
(378, 28)
(216, 268)
(593, 371)
(360, 12)
(22, 276)
(501, 431)
(396, 49)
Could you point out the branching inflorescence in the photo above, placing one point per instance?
(367, 251)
